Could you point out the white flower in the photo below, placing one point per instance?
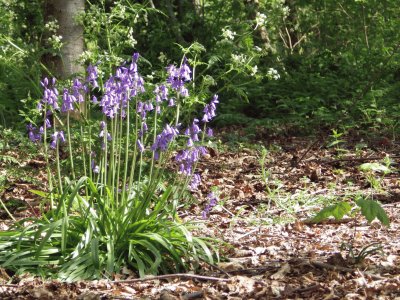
(285, 11)
(131, 39)
(239, 58)
(260, 19)
(254, 70)
(273, 74)
(228, 34)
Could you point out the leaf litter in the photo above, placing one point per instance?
(272, 249)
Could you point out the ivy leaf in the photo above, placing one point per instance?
(371, 209)
(337, 211)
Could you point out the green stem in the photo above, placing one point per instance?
(119, 151)
(126, 154)
(133, 164)
(154, 140)
(46, 155)
(70, 146)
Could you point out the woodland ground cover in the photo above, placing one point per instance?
(299, 185)
(274, 251)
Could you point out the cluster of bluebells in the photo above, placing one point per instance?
(177, 77)
(35, 134)
(75, 95)
(50, 94)
(209, 109)
(212, 201)
(188, 157)
(163, 139)
(120, 88)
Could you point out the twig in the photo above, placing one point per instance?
(168, 276)
(304, 154)
(9, 285)
(216, 267)
(329, 221)
(248, 233)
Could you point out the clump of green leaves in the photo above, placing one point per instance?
(112, 203)
(369, 208)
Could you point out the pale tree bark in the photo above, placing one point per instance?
(65, 12)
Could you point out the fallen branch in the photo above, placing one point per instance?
(168, 276)
(9, 285)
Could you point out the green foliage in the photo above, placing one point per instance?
(85, 238)
(374, 167)
(358, 257)
(338, 211)
(110, 203)
(371, 209)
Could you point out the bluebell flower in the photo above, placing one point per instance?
(33, 133)
(178, 77)
(68, 101)
(140, 146)
(195, 182)
(213, 200)
(92, 76)
(56, 137)
(50, 94)
(164, 138)
(209, 109)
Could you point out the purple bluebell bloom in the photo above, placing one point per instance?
(195, 182)
(178, 77)
(209, 109)
(33, 133)
(57, 136)
(50, 94)
(120, 88)
(92, 76)
(68, 101)
(95, 168)
(213, 200)
(140, 146)
(164, 138)
(187, 158)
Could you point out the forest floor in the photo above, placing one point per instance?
(272, 249)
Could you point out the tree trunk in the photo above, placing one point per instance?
(65, 11)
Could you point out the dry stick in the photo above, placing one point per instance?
(167, 276)
(304, 154)
(9, 285)
(216, 267)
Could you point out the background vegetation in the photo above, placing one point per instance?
(273, 62)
